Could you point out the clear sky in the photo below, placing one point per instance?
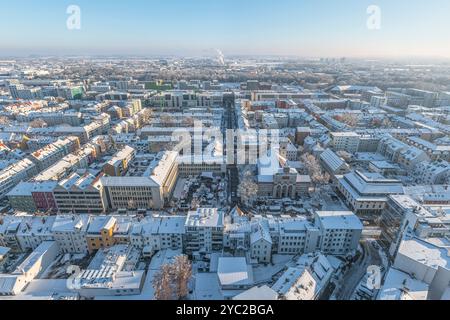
(192, 27)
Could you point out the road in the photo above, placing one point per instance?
(232, 170)
(358, 270)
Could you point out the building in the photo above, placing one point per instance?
(111, 273)
(333, 164)
(204, 230)
(345, 141)
(426, 262)
(261, 244)
(279, 182)
(100, 233)
(434, 151)
(118, 165)
(80, 194)
(366, 193)
(9, 227)
(43, 196)
(432, 173)
(234, 274)
(69, 232)
(22, 170)
(31, 268)
(401, 153)
(20, 197)
(307, 280)
(152, 189)
(33, 231)
(50, 154)
(340, 231)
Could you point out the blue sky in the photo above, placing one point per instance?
(191, 27)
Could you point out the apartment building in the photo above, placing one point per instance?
(100, 233)
(10, 176)
(345, 141)
(340, 231)
(204, 230)
(69, 232)
(118, 165)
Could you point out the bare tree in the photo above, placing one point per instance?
(318, 176)
(172, 281)
(248, 189)
(167, 120)
(182, 271)
(188, 121)
(348, 118)
(4, 120)
(162, 283)
(38, 123)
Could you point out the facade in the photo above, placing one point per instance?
(69, 232)
(261, 244)
(345, 141)
(151, 190)
(366, 193)
(118, 165)
(80, 194)
(279, 182)
(204, 230)
(21, 199)
(100, 233)
(340, 231)
(10, 176)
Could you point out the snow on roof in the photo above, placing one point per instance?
(401, 286)
(234, 271)
(34, 257)
(263, 293)
(207, 287)
(332, 159)
(339, 220)
(205, 217)
(101, 222)
(425, 252)
(70, 223)
(261, 233)
(371, 184)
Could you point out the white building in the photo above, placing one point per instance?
(437, 172)
(204, 230)
(151, 190)
(32, 267)
(366, 193)
(261, 243)
(427, 262)
(69, 233)
(340, 231)
(345, 141)
(306, 280)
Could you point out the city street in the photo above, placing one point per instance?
(355, 274)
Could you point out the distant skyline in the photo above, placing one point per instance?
(303, 28)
